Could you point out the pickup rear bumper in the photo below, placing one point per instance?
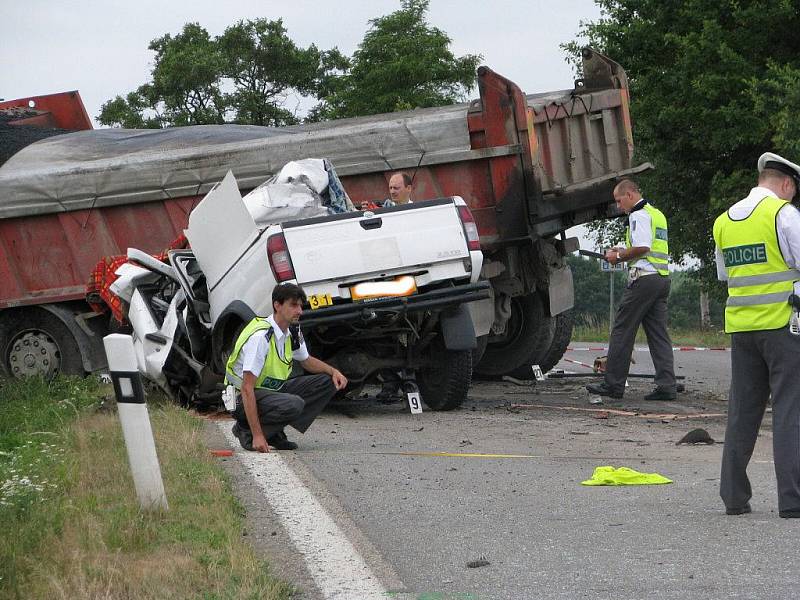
(366, 311)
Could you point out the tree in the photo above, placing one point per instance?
(713, 85)
(592, 290)
(255, 59)
(402, 63)
(265, 65)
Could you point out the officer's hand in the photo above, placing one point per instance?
(339, 380)
(612, 255)
(260, 444)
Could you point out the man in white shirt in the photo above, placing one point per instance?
(758, 254)
(645, 299)
(399, 189)
(260, 366)
(399, 192)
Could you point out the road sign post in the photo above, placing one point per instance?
(609, 268)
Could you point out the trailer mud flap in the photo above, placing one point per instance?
(457, 329)
(561, 291)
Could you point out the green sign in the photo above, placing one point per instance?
(751, 254)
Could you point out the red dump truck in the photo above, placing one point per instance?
(529, 167)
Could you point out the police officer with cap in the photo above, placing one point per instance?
(758, 254)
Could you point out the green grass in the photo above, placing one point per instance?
(599, 331)
(71, 524)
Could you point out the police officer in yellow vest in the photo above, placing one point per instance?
(645, 299)
(758, 253)
(260, 365)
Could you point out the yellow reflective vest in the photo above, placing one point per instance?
(276, 370)
(759, 280)
(659, 247)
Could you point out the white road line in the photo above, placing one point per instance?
(336, 566)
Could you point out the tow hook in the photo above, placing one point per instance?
(408, 382)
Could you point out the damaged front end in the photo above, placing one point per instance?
(164, 306)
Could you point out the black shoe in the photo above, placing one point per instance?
(743, 510)
(244, 435)
(789, 514)
(601, 389)
(660, 394)
(279, 441)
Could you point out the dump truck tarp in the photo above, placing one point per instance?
(108, 167)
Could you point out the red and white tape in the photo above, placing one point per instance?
(646, 349)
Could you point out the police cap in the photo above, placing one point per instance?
(768, 160)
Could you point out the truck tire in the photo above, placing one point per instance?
(34, 342)
(523, 339)
(477, 354)
(544, 342)
(562, 335)
(444, 384)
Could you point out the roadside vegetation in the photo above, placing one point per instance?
(71, 524)
(592, 291)
(592, 330)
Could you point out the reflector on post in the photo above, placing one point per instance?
(135, 421)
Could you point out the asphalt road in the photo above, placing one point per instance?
(422, 508)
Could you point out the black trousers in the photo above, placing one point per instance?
(644, 302)
(764, 367)
(298, 403)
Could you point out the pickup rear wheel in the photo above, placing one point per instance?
(35, 342)
(444, 384)
(527, 337)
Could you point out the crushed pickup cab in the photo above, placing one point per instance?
(387, 288)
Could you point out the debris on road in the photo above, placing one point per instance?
(664, 417)
(696, 436)
(479, 562)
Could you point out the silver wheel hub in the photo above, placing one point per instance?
(34, 353)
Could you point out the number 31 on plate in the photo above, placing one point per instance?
(316, 301)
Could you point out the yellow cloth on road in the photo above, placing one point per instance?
(624, 476)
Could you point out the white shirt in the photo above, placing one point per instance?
(389, 202)
(255, 350)
(787, 224)
(642, 236)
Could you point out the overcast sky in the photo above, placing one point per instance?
(100, 47)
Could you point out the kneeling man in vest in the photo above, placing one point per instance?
(260, 366)
(758, 253)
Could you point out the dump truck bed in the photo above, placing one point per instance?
(527, 166)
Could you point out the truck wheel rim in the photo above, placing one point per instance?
(34, 353)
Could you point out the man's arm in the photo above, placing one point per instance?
(251, 412)
(641, 240)
(615, 255)
(722, 273)
(788, 223)
(315, 365)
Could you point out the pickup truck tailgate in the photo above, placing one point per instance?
(389, 240)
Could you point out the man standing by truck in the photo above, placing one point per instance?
(260, 365)
(399, 189)
(399, 192)
(758, 253)
(645, 299)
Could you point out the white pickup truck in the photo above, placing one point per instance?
(387, 289)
